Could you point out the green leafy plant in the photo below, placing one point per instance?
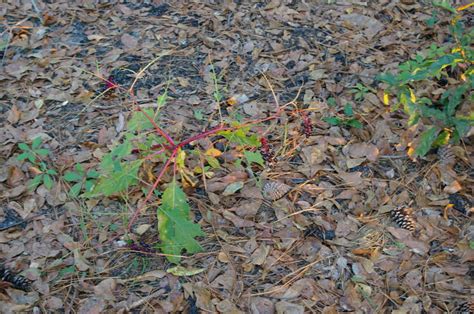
(130, 166)
(177, 232)
(116, 174)
(83, 181)
(347, 119)
(360, 91)
(34, 154)
(452, 64)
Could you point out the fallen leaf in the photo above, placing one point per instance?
(129, 41)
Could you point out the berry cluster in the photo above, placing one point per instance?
(265, 150)
(141, 247)
(307, 125)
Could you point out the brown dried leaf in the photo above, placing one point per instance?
(129, 41)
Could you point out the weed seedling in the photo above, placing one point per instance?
(347, 120)
(33, 154)
(82, 180)
(360, 91)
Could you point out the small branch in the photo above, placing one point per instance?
(157, 128)
(204, 134)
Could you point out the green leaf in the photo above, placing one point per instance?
(354, 123)
(24, 147)
(198, 114)
(117, 180)
(177, 231)
(213, 162)
(51, 172)
(254, 157)
(42, 151)
(461, 128)
(92, 174)
(139, 121)
(348, 111)
(72, 176)
(445, 4)
(331, 102)
(240, 137)
(75, 189)
(23, 156)
(427, 139)
(80, 168)
(35, 182)
(36, 143)
(31, 158)
(161, 100)
(442, 139)
(48, 181)
(89, 185)
(332, 120)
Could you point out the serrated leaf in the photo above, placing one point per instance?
(254, 157)
(48, 181)
(139, 121)
(72, 176)
(118, 179)
(427, 139)
(177, 231)
(75, 190)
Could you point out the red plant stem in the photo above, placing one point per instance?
(150, 192)
(204, 134)
(161, 151)
(157, 128)
(176, 147)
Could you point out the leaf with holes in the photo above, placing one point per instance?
(177, 231)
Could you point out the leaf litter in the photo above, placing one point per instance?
(312, 230)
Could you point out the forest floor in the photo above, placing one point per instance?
(319, 239)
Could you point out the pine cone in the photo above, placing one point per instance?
(446, 156)
(403, 217)
(16, 281)
(274, 190)
(465, 308)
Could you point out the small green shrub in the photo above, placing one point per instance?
(34, 155)
(347, 119)
(449, 66)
